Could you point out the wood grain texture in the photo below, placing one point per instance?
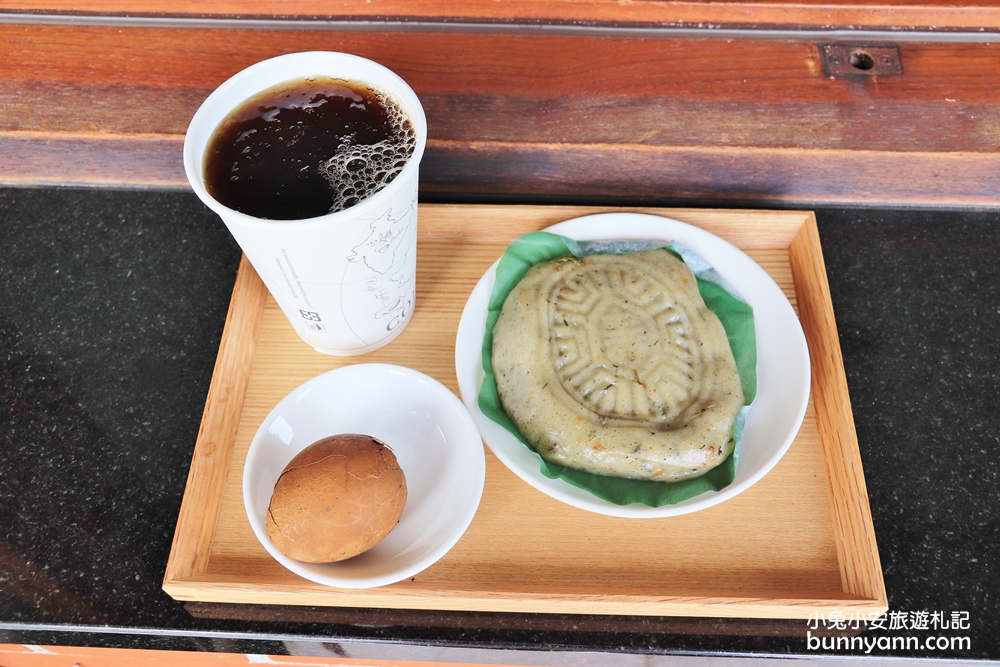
(739, 174)
(197, 521)
(861, 570)
(770, 552)
(537, 115)
(21, 655)
(940, 15)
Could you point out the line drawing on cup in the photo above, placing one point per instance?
(383, 250)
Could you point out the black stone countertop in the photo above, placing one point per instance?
(112, 305)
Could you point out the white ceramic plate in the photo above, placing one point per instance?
(433, 437)
(783, 371)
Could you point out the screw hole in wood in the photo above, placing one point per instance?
(861, 60)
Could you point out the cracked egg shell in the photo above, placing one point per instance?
(336, 499)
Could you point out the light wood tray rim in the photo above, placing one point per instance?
(189, 577)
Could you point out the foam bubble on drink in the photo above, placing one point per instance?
(358, 171)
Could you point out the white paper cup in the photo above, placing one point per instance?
(346, 281)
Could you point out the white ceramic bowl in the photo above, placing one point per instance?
(783, 371)
(433, 437)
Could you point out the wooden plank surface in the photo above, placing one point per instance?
(861, 575)
(938, 15)
(536, 115)
(223, 414)
(536, 89)
(21, 655)
(775, 550)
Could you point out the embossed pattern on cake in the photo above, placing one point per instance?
(613, 364)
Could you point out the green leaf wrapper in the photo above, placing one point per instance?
(734, 313)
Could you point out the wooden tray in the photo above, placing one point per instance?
(798, 542)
